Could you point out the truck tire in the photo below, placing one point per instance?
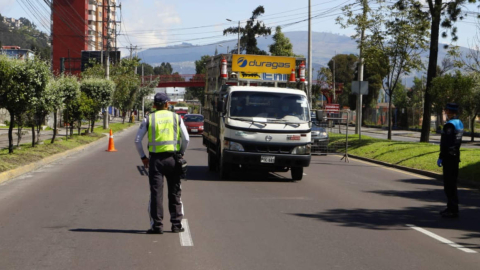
(297, 173)
(212, 163)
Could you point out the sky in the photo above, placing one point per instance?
(157, 23)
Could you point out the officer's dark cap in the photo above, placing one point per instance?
(452, 107)
(161, 98)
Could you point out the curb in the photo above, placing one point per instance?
(436, 176)
(10, 174)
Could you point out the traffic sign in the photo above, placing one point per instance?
(332, 108)
(360, 87)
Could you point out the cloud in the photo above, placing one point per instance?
(5, 5)
(147, 23)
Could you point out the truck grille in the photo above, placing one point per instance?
(273, 149)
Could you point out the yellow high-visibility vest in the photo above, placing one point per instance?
(163, 132)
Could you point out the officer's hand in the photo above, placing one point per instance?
(439, 162)
(146, 161)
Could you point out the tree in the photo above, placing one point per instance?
(441, 13)
(281, 45)
(147, 69)
(94, 70)
(100, 91)
(127, 84)
(200, 68)
(374, 72)
(125, 92)
(163, 69)
(67, 89)
(398, 34)
(21, 84)
(345, 65)
(253, 29)
(471, 103)
(456, 88)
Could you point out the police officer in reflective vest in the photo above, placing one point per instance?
(450, 158)
(167, 136)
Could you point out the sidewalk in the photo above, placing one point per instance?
(404, 135)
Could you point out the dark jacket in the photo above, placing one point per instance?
(451, 140)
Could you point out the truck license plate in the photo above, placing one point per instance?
(267, 159)
(194, 130)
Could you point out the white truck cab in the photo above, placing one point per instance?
(257, 126)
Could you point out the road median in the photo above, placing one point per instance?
(416, 157)
(27, 158)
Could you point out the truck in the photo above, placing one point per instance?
(182, 111)
(256, 116)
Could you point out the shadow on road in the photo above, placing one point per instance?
(201, 173)
(426, 217)
(109, 231)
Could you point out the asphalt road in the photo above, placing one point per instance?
(89, 211)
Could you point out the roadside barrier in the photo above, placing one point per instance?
(111, 144)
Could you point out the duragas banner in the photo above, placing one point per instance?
(251, 64)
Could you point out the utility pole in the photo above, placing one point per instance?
(334, 76)
(143, 98)
(358, 126)
(238, 42)
(107, 71)
(309, 88)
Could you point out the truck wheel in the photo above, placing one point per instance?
(211, 162)
(224, 170)
(297, 173)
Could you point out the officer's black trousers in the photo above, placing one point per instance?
(163, 165)
(450, 175)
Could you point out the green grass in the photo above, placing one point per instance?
(422, 156)
(28, 154)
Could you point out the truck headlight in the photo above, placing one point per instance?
(302, 150)
(235, 146)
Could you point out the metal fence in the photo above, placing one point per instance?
(402, 118)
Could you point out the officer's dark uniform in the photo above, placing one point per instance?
(450, 143)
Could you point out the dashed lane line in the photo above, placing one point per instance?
(441, 239)
(186, 236)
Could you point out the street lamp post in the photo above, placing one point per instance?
(218, 45)
(238, 42)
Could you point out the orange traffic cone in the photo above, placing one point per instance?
(111, 144)
(292, 76)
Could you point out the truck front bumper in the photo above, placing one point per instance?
(254, 159)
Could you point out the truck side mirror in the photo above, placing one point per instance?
(220, 106)
(321, 116)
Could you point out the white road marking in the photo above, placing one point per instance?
(441, 239)
(186, 237)
(304, 174)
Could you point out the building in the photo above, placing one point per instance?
(17, 52)
(12, 23)
(81, 25)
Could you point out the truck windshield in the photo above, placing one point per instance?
(273, 106)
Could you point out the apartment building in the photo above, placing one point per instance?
(81, 25)
(12, 23)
